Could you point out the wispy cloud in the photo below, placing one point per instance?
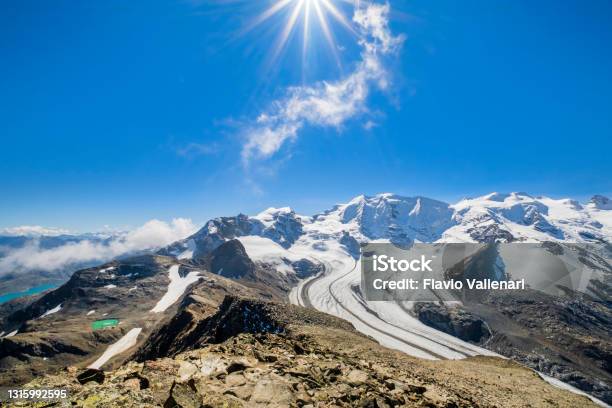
(198, 149)
(328, 104)
(369, 125)
(153, 234)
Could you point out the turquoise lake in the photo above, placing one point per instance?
(32, 291)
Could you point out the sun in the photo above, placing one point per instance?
(314, 15)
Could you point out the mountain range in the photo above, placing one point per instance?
(170, 300)
(514, 217)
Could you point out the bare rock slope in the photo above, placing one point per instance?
(250, 353)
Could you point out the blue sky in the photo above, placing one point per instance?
(113, 112)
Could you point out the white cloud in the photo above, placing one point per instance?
(153, 234)
(369, 125)
(157, 233)
(328, 104)
(32, 231)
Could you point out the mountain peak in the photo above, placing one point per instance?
(496, 196)
(501, 197)
(601, 202)
(496, 199)
(356, 200)
(270, 215)
(394, 217)
(276, 210)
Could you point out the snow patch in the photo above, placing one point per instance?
(90, 312)
(178, 285)
(51, 311)
(11, 334)
(111, 286)
(123, 344)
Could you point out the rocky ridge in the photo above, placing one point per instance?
(294, 361)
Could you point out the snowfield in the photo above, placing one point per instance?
(51, 311)
(178, 285)
(264, 250)
(123, 344)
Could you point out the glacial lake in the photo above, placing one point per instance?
(32, 291)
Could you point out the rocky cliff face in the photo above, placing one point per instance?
(453, 321)
(262, 354)
(231, 260)
(600, 202)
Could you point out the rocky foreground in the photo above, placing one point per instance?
(261, 354)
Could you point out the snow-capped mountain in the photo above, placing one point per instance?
(521, 217)
(600, 202)
(294, 246)
(514, 217)
(390, 217)
(281, 225)
(282, 237)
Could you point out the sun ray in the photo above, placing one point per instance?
(336, 14)
(303, 10)
(269, 13)
(326, 31)
(288, 28)
(306, 31)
